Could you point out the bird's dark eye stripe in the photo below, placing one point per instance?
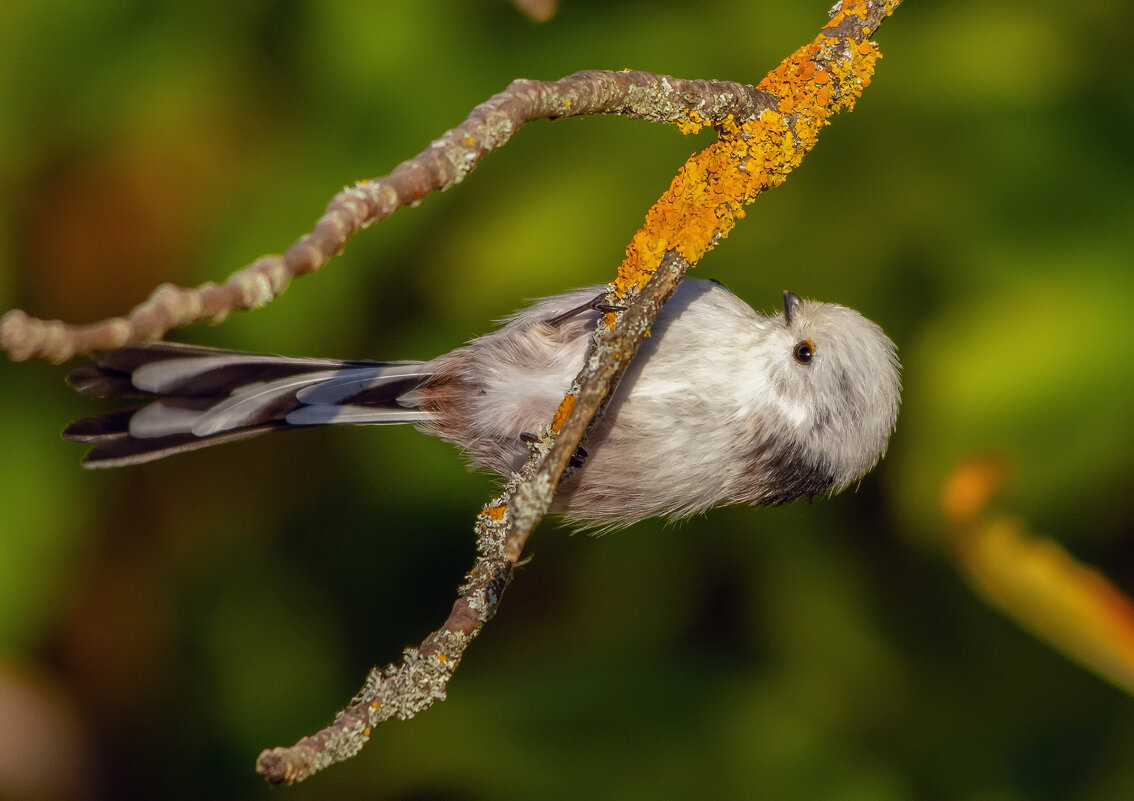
(803, 351)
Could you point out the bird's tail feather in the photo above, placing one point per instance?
(203, 396)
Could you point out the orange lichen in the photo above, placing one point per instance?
(709, 192)
(375, 705)
(855, 8)
(692, 123)
(495, 512)
(563, 412)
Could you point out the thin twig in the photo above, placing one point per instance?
(443, 164)
(422, 677)
(607, 360)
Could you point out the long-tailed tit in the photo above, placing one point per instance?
(722, 404)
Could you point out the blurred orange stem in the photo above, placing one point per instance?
(1033, 580)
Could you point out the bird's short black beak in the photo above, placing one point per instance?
(791, 303)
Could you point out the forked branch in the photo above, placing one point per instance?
(764, 132)
(703, 202)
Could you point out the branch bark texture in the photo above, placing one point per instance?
(709, 193)
(445, 163)
(503, 527)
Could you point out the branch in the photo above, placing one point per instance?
(610, 354)
(817, 80)
(445, 163)
(709, 193)
(764, 132)
(421, 678)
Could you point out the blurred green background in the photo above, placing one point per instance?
(160, 625)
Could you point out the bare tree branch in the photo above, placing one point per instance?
(445, 163)
(421, 678)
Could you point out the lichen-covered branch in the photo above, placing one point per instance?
(764, 132)
(703, 203)
(609, 356)
(709, 193)
(402, 690)
(443, 164)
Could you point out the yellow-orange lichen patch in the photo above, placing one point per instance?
(853, 8)
(691, 123)
(495, 512)
(709, 192)
(563, 412)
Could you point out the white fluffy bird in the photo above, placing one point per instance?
(722, 405)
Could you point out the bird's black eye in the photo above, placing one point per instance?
(803, 351)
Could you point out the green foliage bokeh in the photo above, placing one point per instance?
(160, 625)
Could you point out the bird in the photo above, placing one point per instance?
(722, 405)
